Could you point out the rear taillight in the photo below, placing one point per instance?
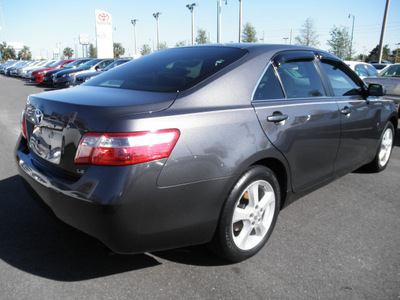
(115, 149)
(23, 124)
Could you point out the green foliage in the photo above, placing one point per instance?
(340, 42)
(249, 34)
(7, 52)
(374, 54)
(308, 36)
(145, 49)
(202, 37)
(118, 50)
(396, 55)
(163, 46)
(25, 54)
(180, 44)
(68, 52)
(92, 52)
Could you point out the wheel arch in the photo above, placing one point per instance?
(281, 173)
(394, 120)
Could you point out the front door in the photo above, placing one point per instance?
(359, 117)
(300, 120)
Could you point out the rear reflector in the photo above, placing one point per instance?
(115, 149)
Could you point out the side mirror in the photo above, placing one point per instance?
(97, 68)
(376, 90)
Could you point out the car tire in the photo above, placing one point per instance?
(384, 151)
(248, 216)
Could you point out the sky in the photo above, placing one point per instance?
(46, 24)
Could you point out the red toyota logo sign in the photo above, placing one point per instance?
(103, 17)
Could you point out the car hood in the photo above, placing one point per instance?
(89, 74)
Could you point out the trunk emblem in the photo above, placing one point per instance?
(38, 116)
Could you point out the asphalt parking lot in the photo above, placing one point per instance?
(339, 242)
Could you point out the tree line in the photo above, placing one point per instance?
(339, 44)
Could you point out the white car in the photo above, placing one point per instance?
(362, 69)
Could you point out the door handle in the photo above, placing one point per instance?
(277, 118)
(346, 111)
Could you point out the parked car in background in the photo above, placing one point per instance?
(12, 68)
(38, 75)
(35, 64)
(389, 77)
(15, 71)
(45, 65)
(200, 144)
(48, 77)
(362, 69)
(66, 77)
(4, 66)
(31, 63)
(381, 65)
(81, 78)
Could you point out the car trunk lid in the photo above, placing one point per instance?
(56, 121)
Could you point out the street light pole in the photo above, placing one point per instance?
(2, 22)
(383, 31)
(191, 8)
(156, 16)
(285, 40)
(352, 32)
(219, 21)
(240, 21)
(134, 29)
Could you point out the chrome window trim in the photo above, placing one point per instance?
(270, 63)
(295, 99)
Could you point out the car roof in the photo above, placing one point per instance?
(353, 63)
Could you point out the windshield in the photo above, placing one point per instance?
(71, 64)
(56, 63)
(115, 64)
(48, 64)
(169, 70)
(90, 63)
(391, 71)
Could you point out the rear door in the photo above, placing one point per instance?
(300, 120)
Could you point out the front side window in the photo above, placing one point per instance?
(269, 86)
(300, 79)
(341, 79)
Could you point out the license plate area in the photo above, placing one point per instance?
(46, 143)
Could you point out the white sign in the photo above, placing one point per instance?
(84, 39)
(104, 34)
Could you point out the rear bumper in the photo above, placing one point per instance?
(123, 207)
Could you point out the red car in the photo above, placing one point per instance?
(38, 75)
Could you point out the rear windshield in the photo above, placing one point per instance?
(169, 70)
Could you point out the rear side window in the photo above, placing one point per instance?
(341, 79)
(269, 87)
(169, 70)
(300, 79)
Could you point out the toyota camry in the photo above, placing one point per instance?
(201, 144)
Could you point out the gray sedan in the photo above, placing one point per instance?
(200, 144)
